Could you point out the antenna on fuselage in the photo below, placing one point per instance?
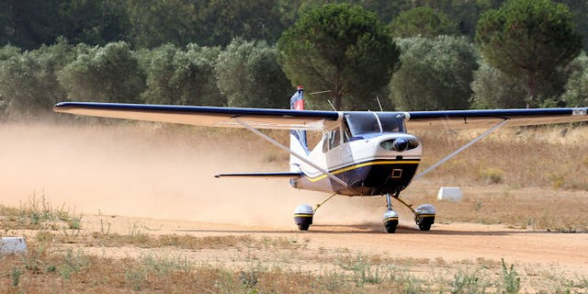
(323, 92)
(332, 106)
(379, 104)
(320, 92)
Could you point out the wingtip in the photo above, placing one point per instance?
(59, 107)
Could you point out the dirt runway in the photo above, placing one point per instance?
(452, 243)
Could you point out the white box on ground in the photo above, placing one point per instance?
(450, 194)
(10, 245)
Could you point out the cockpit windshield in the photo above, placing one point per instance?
(374, 122)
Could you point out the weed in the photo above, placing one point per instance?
(103, 230)
(363, 271)
(511, 282)
(15, 273)
(36, 258)
(557, 181)
(162, 265)
(465, 282)
(491, 175)
(136, 275)
(73, 262)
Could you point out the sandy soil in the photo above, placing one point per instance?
(164, 184)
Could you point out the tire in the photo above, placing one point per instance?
(303, 227)
(391, 226)
(425, 223)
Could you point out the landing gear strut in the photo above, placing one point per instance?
(424, 215)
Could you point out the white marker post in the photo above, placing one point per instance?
(450, 194)
(9, 245)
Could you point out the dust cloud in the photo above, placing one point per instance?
(155, 171)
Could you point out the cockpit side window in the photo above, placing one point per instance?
(325, 142)
(332, 139)
(346, 132)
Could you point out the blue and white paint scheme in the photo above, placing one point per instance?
(361, 153)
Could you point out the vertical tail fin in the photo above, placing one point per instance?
(298, 141)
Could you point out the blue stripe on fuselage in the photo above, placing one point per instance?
(372, 177)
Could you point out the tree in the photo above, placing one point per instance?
(94, 22)
(182, 77)
(341, 48)
(576, 94)
(249, 75)
(28, 82)
(493, 89)
(156, 22)
(219, 22)
(579, 9)
(8, 52)
(435, 74)
(528, 40)
(30, 23)
(104, 74)
(422, 21)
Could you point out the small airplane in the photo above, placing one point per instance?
(361, 153)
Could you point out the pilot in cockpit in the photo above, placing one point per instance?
(376, 127)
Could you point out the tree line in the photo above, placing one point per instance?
(405, 55)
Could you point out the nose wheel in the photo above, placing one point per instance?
(390, 221)
(390, 216)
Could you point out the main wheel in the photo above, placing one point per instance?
(425, 217)
(425, 222)
(303, 215)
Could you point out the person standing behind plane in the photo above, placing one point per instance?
(297, 103)
(297, 100)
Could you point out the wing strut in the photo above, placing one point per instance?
(462, 148)
(277, 144)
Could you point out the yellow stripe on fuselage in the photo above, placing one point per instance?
(315, 179)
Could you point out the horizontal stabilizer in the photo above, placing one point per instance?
(263, 175)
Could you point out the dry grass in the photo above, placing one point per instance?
(538, 157)
(51, 268)
(59, 261)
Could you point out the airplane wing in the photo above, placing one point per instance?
(205, 116)
(469, 119)
(287, 119)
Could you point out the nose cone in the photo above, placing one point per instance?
(401, 144)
